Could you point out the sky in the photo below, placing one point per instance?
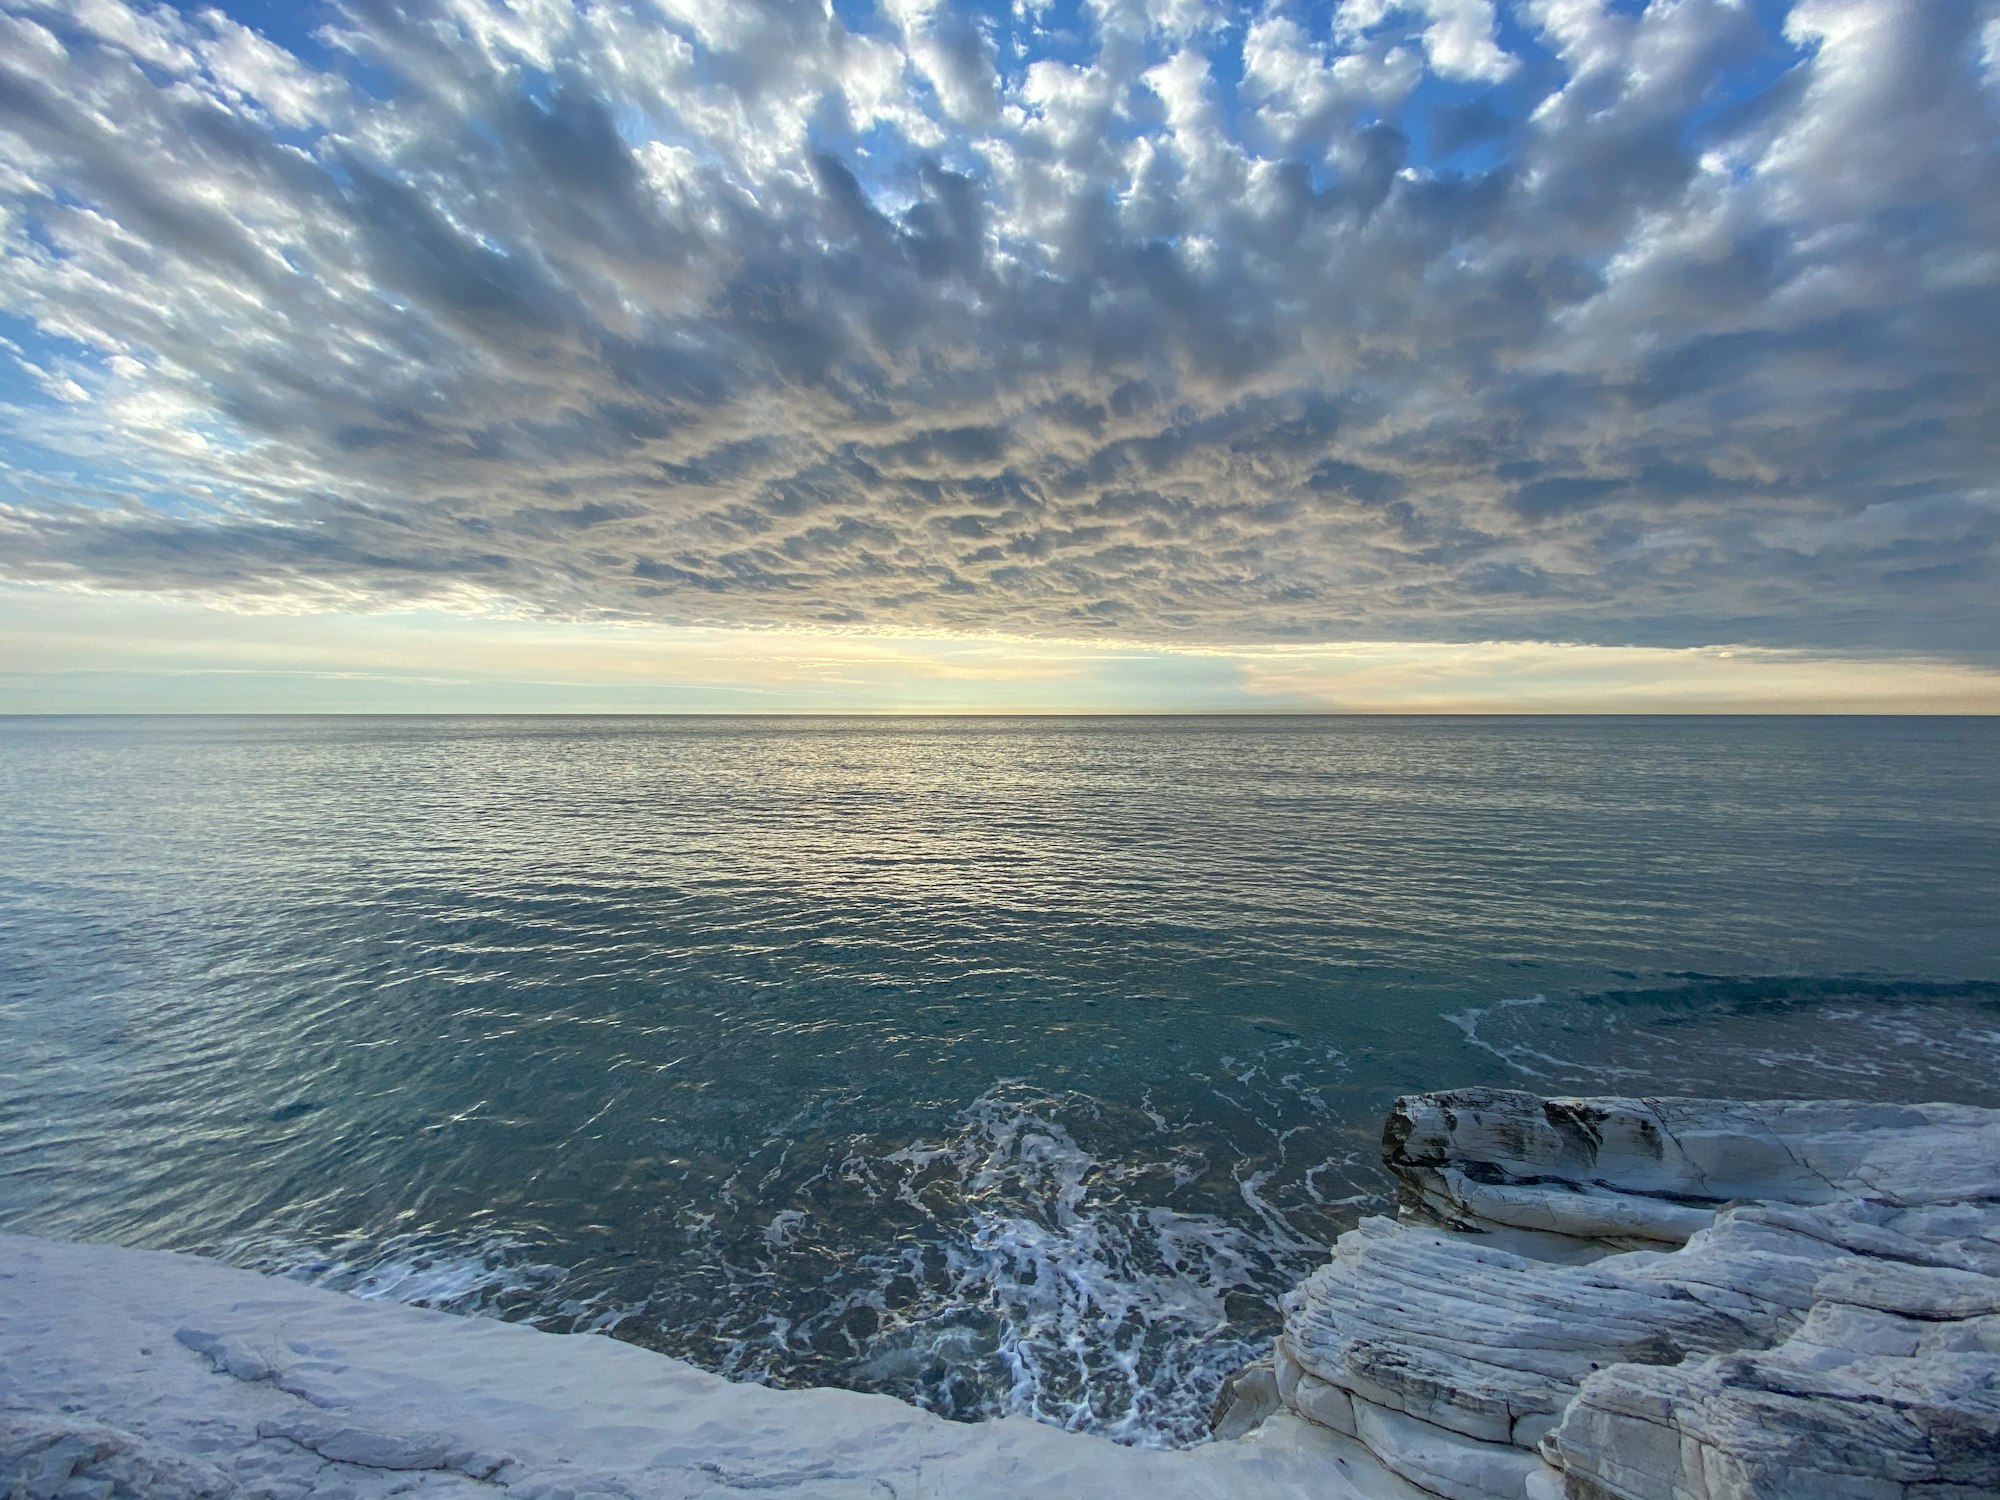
(1127, 355)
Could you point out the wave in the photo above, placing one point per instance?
(1053, 1284)
(1095, 1266)
(495, 1277)
(1047, 1253)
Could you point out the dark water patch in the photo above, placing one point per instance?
(1766, 1037)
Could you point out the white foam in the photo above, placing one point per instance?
(1016, 1270)
(415, 1270)
(1104, 1313)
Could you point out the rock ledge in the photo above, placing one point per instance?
(1666, 1299)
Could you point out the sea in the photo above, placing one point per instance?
(1003, 1065)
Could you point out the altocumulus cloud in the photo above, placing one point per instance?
(1145, 319)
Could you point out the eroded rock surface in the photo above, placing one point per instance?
(1668, 1298)
(138, 1375)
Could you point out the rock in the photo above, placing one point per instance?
(94, 1390)
(1441, 1327)
(1652, 1171)
(1457, 1468)
(1777, 1425)
(1620, 1220)
(45, 1455)
(1325, 1403)
(229, 1356)
(1675, 1298)
(1246, 1399)
(372, 1448)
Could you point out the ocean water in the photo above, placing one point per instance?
(1003, 1065)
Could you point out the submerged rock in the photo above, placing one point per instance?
(1670, 1298)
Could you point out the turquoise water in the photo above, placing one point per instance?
(999, 1064)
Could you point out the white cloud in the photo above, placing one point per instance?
(1459, 36)
(1309, 100)
(950, 51)
(731, 315)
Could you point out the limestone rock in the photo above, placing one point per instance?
(1652, 1171)
(1778, 1425)
(1246, 1399)
(1456, 1468)
(43, 1457)
(1670, 1298)
(1440, 1327)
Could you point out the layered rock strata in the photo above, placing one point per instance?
(1667, 1298)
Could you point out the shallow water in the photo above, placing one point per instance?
(1000, 1064)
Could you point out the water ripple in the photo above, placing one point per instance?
(1005, 1066)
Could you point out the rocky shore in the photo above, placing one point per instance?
(1664, 1299)
(133, 1373)
(1603, 1299)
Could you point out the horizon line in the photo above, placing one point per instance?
(1085, 713)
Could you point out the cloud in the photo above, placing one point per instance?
(1457, 35)
(1563, 319)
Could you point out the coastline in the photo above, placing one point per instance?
(1599, 1298)
(183, 1379)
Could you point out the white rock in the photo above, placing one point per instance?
(1770, 1425)
(1815, 1311)
(288, 1392)
(1445, 1463)
(1325, 1403)
(1246, 1399)
(1583, 1212)
(1461, 1150)
(1442, 1328)
(44, 1454)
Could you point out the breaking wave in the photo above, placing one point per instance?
(1053, 1281)
(1049, 1254)
(498, 1277)
(1095, 1266)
